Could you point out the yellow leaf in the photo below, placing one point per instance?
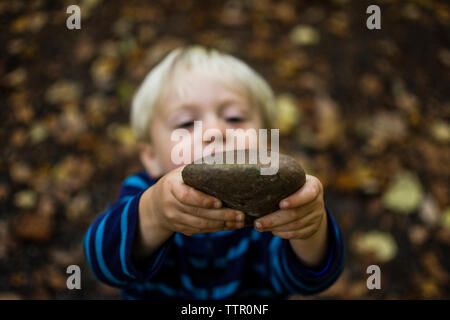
(445, 218)
(381, 244)
(405, 194)
(287, 113)
(304, 35)
(25, 199)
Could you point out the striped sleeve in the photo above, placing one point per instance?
(289, 276)
(108, 243)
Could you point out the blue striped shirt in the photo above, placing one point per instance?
(242, 263)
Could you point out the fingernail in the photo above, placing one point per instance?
(240, 217)
(217, 204)
(284, 204)
(239, 225)
(258, 225)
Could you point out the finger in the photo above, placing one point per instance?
(306, 194)
(180, 218)
(282, 217)
(297, 224)
(218, 229)
(184, 229)
(304, 233)
(201, 224)
(224, 214)
(189, 230)
(276, 218)
(192, 197)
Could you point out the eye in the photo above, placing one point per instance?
(185, 125)
(235, 119)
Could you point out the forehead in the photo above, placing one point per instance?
(197, 88)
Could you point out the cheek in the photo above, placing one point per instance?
(184, 144)
(164, 146)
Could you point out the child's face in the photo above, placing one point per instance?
(199, 97)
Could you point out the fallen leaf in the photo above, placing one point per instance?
(445, 219)
(122, 134)
(25, 199)
(338, 24)
(440, 130)
(16, 77)
(379, 245)
(78, 207)
(329, 124)
(429, 289)
(63, 91)
(103, 69)
(384, 129)
(435, 268)
(417, 234)
(287, 113)
(358, 177)
(20, 172)
(34, 227)
(38, 133)
(233, 13)
(429, 211)
(304, 35)
(371, 85)
(405, 193)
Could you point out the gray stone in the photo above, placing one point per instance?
(242, 187)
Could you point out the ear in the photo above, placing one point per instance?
(149, 160)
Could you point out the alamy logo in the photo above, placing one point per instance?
(74, 280)
(374, 20)
(374, 281)
(74, 20)
(235, 139)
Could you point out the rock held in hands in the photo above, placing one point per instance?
(242, 186)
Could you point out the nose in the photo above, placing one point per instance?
(213, 126)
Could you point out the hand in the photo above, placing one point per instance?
(300, 215)
(177, 207)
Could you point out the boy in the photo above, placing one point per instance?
(163, 239)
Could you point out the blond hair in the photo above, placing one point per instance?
(232, 71)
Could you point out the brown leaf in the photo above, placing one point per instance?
(34, 227)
